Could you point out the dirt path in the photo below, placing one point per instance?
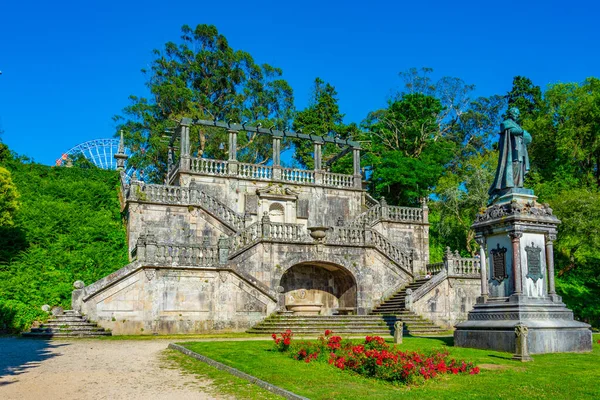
(91, 369)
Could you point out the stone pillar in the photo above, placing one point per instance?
(121, 156)
(266, 225)
(232, 165)
(140, 249)
(550, 238)
(184, 134)
(384, 208)
(277, 157)
(515, 238)
(356, 164)
(398, 332)
(223, 249)
(521, 350)
(483, 264)
(317, 155)
(150, 255)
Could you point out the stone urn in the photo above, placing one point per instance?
(305, 308)
(318, 232)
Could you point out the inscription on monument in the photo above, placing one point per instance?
(499, 263)
(534, 262)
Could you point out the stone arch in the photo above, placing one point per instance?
(319, 287)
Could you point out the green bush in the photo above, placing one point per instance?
(69, 227)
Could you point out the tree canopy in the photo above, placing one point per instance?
(202, 77)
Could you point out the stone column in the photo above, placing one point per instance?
(550, 238)
(515, 238)
(184, 133)
(483, 263)
(356, 164)
(277, 157)
(223, 246)
(317, 155)
(232, 165)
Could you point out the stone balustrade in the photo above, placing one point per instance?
(346, 235)
(297, 175)
(255, 171)
(455, 265)
(383, 212)
(166, 194)
(338, 180)
(148, 251)
(435, 268)
(208, 166)
(388, 248)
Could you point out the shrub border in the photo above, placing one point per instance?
(252, 379)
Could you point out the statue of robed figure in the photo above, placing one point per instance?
(513, 159)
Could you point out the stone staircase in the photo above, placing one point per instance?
(309, 325)
(413, 324)
(69, 324)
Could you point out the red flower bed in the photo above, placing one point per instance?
(374, 358)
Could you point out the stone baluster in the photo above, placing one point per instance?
(385, 210)
(515, 238)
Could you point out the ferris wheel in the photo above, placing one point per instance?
(100, 152)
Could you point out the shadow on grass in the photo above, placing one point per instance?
(18, 355)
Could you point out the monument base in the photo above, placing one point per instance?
(551, 328)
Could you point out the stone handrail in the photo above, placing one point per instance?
(284, 232)
(338, 180)
(425, 288)
(167, 194)
(255, 171)
(208, 166)
(382, 244)
(246, 237)
(297, 175)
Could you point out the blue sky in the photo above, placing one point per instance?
(69, 66)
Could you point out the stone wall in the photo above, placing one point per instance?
(158, 300)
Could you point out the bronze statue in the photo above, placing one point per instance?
(513, 160)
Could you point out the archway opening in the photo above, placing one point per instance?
(319, 288)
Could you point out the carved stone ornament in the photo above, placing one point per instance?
(514, 208)
(498, 269)
(521, 330)
(223, 276)
(150, 273)
(534, 262)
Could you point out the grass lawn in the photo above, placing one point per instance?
(551, 376)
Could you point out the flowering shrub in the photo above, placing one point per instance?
(375, 358)
(283, 343)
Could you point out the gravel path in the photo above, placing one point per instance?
(92, 369)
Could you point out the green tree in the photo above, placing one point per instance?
(9, 198)
(405, 151)
(526, 96)
(202, 77)
(323, 117)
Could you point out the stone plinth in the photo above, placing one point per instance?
(516, 234)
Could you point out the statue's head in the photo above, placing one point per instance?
(514, 113)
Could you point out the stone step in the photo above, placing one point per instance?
(63, 324)
(66, 334)
(68, 329)
(66, 318)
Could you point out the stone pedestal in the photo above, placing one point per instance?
(518, 294)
